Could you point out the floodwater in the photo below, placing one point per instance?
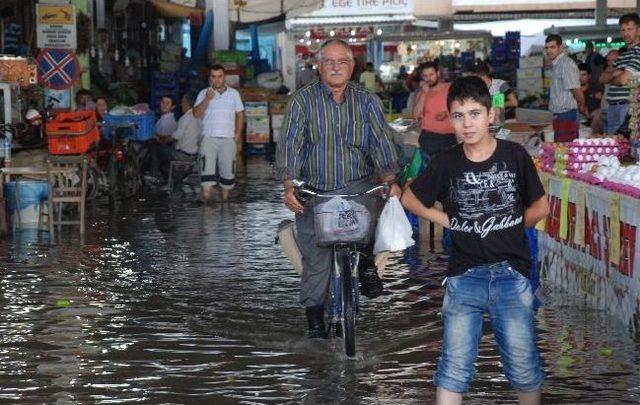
(171, 302)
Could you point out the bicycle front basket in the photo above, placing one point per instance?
(341, 221)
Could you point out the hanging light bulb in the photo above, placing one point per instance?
(127, 62)
(116, 55)
(332, 33)
(92, 51)
(353, 33)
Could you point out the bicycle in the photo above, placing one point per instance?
(344, 287)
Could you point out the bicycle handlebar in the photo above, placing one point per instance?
(301, 187)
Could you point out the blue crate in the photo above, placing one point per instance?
(145, 131)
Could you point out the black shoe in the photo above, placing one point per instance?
(315, 318)
(338, 329)
(370, 283)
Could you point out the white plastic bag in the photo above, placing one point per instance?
(394, 230)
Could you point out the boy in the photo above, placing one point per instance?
(160, 145)
(490, 191)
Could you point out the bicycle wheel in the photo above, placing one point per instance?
(131, 179)
(348, 304)
(112, 176)
(93, 183)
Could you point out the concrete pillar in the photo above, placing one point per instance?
(221, 32)
(100, 14)
(288, 51)
(601, 12)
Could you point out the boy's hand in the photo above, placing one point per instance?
(395, 190)
(210, 93)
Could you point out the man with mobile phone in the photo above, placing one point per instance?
(222, 113)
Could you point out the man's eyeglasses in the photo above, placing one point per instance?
(342, 63)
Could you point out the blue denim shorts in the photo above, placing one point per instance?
(506, 295)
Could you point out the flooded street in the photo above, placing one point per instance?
(171, 302)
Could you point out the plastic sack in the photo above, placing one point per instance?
(341, 221)
(394, 231)
(287, 238)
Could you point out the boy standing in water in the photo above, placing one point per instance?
(490, 192)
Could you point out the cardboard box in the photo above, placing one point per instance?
(257, 137)
(256, 108)
(258, 122)
(276, 120)
(277, 134)
(530, 73)
(530, 86)
(531, 62)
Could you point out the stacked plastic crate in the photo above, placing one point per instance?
(164, 85)
(498, 56)
(512, 47)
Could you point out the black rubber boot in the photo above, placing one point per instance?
(370, 284)
(315, 317)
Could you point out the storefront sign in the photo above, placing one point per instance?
(365, 7)
(524, 4)
(56, 27)
(60, 99)
(58, 68)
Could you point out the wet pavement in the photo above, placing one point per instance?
(171, 302)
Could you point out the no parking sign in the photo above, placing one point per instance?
(58, 68)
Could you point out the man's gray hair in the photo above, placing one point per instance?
(334, 42)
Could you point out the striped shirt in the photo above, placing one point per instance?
(629, 60)
(330, 145)
(564, 77)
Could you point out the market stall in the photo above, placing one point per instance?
(588, 246)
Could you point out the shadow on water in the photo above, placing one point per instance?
(168, 301)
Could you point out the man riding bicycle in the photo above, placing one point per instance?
(335, 137)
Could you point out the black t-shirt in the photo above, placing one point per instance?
(485, 202)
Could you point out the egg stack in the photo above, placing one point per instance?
(582, 152)
(553, 158)
(613, 176)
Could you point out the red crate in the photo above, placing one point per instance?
(72, 144)
(65, 123)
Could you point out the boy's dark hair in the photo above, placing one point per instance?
(554, 38)
(217, 66)
(585, 67)
(173, 102)
(83, 92)
(630, 17)
(190, 98)
(469, 88)
(429, 65)
(479, 68)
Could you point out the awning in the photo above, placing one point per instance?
(248, 11)
(175, 10)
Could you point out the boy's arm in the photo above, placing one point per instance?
(538, 210)
(411, 202)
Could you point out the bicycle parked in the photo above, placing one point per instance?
(345, 225)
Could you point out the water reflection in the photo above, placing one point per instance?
(171, 302)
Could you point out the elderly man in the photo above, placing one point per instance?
(335, 138)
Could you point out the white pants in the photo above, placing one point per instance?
(218, 155)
